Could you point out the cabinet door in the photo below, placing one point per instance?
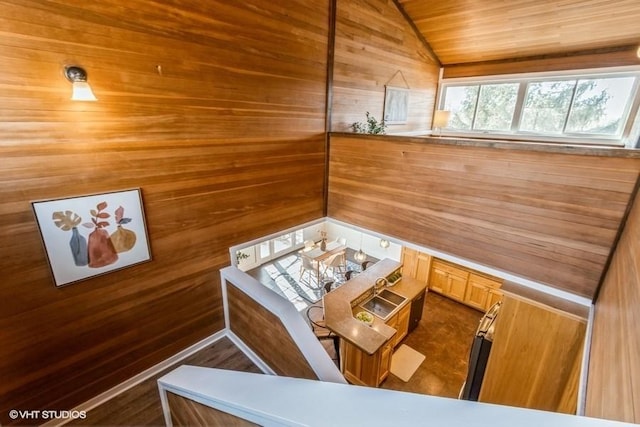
(457, 286)
(402, 326)
(385, 361)
(477, 293)
(423, 266)
(409, 262)
(493, 296)
(439, 279)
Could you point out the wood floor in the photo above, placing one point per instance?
(140, 405)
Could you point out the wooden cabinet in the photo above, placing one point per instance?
(467, 286)
(482, 291)
(416, 264)
(361, 368)
(448, 279)
(400, 322)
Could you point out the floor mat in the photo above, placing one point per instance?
(405, 361)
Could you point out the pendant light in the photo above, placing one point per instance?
(81, 90)
(360, 256)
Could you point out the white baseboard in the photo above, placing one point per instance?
(142, 376)
(250, 354)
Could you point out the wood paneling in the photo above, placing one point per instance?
(376, 46)
(264, 333)
(615, 57)
(140, 405)
(534, 359)
(186, 412)
(226, 140)
(613, 385)
(550, 216)
(462, 31)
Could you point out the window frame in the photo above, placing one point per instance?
(630, 128)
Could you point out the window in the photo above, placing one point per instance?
(584, 108)
(277, 246)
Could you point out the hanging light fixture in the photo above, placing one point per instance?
(360, 256)
(384, 243)
(81, 89)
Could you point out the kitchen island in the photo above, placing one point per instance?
(365, 350)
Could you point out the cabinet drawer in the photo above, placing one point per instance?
(451, 269)
(490, 282)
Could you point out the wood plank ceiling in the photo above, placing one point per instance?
(467, 31)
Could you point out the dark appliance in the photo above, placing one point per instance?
(417, 305)
(479, 354)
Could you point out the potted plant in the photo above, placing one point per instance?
(371, 126)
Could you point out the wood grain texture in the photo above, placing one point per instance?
(226, 141)
(613, 57)
(140, 405)
(462, 31)
(533, 358)
(548, 216)
(186, 412)
(613, 384)
(264, 333)
(375, 46)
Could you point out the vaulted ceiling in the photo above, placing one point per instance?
(465, 31)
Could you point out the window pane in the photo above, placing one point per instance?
(599, 106)
(282, 243)
(496, 105)
(265, 249)
(461, 101)
(546, 105)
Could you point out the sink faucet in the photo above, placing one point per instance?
(381, 282)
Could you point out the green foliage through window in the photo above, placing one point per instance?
(577, 106)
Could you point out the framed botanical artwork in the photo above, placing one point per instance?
(86, 236)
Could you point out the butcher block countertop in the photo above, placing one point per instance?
(342, 303)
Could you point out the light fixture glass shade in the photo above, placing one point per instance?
(82, 92)
(384, 243)
(360, 256)
(441, 119)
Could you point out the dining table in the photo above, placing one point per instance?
(317, 255)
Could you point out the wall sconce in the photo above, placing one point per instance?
(81, 89)
(384, 243)
(441, 120)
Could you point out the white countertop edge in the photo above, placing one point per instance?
(272, 400)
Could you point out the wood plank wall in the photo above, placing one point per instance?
(264, 333)
(226, 139)
(535, 358)
(186, 412)
(613, 384)
(375, 46)
(617, 57)
(548, 216)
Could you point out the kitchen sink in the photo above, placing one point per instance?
(383, 304)
(392, 297)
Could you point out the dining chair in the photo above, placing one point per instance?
(335, 262)
(308, 245)
(307, 265)
(315, 316)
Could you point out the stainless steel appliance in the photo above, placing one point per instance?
(479, 354)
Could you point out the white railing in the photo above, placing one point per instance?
(280, 401)
(298, 329)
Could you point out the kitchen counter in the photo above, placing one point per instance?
(341, 304)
